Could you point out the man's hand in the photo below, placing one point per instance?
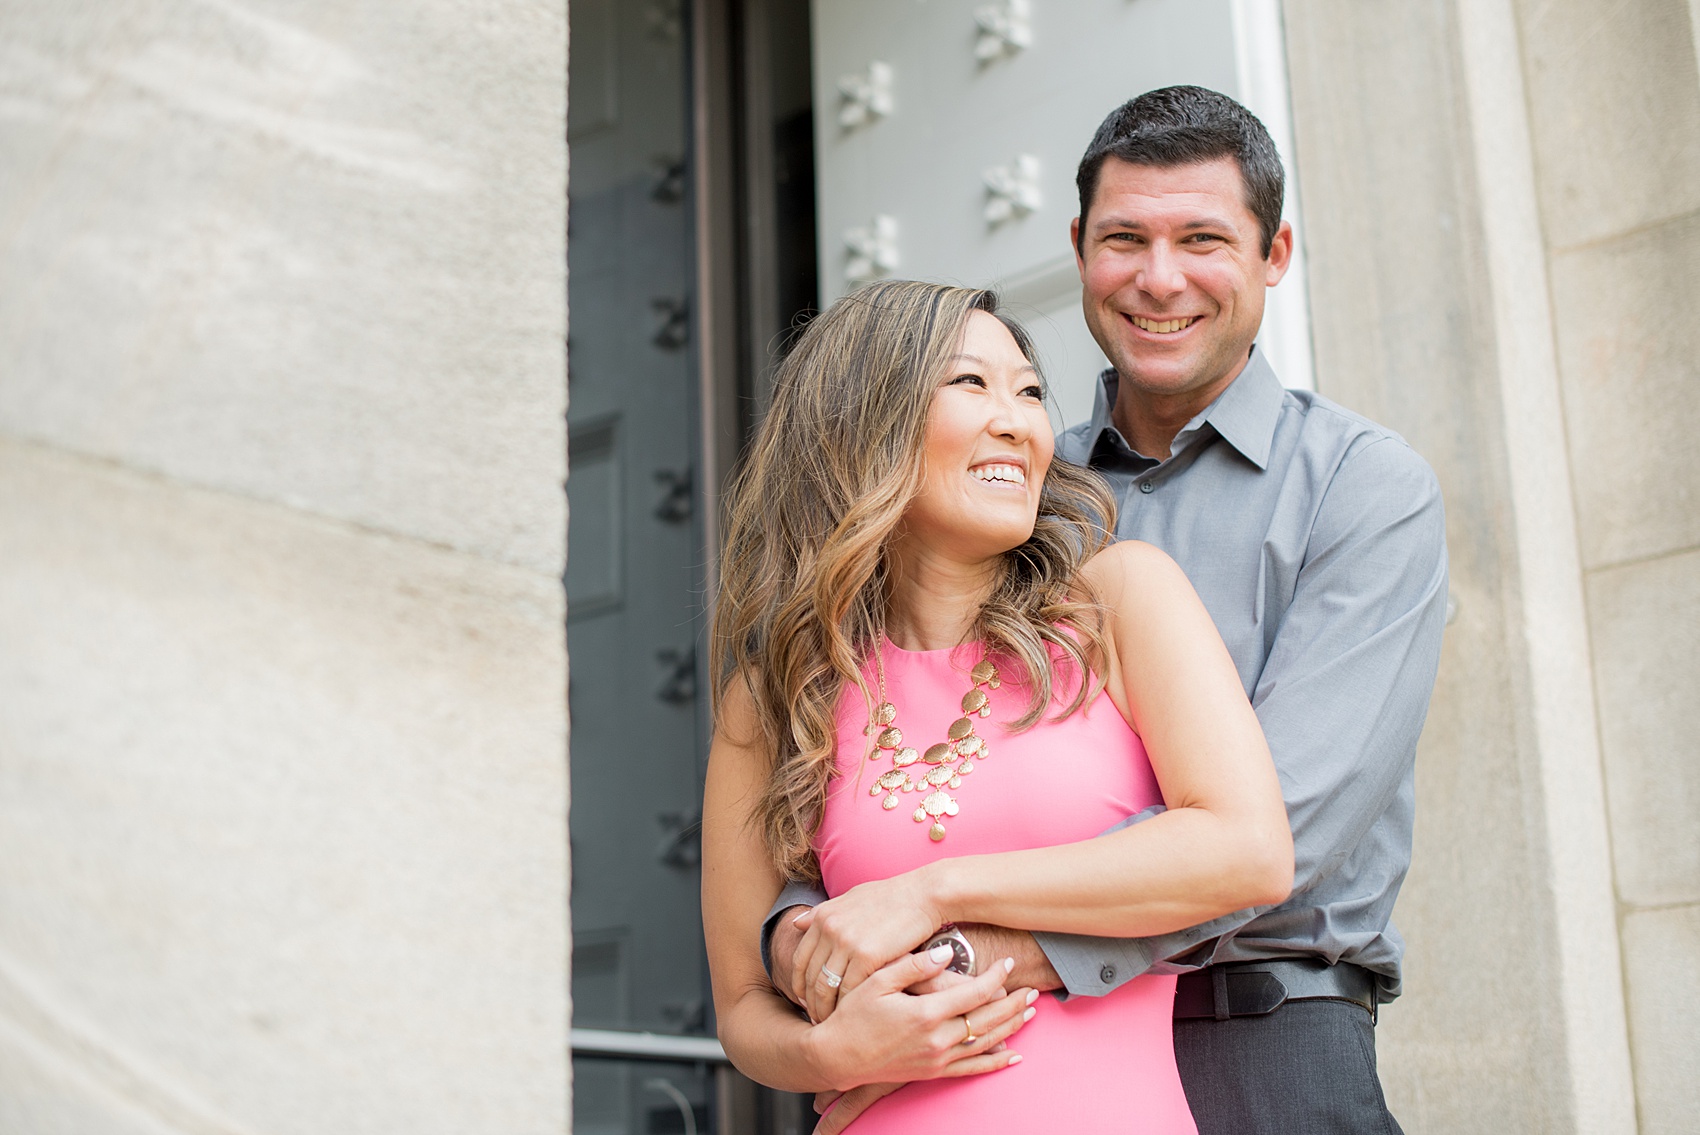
(782, 953)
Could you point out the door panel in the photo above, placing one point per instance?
(634, 575)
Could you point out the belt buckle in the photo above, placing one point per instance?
(1265, 985)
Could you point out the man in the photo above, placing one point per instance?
(1316, 540)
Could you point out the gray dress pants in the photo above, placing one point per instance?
(1308, 1068)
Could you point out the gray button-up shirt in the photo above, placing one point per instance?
(1317, 542)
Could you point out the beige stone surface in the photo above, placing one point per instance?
(43, 1093)
(1662, 956)
(1617, 122)
(1630, 359)
(1406, 330)
(309, 253)
(1645, 622)
(282, 809)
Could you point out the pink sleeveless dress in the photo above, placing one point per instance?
(1089, 1064)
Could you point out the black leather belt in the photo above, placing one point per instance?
(1251, 989)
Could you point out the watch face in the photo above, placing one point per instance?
(962, 959)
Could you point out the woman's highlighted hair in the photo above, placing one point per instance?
(811, 515)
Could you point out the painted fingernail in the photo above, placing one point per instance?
(1032, 996)
(1009, 965)
(1016, 1059)
(1028, 1016)
(940, 953)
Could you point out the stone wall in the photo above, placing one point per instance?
(1615, 98)
(1501, 212)
(282, 716)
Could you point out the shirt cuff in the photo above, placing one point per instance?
(1092, 967)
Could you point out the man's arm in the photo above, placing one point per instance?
(1342, 696)
(780, 937)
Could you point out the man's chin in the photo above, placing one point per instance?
(1165, 379)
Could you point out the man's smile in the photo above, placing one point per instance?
(1163, 326)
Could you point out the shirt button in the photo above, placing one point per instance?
(1107, 974)
(1147, 487)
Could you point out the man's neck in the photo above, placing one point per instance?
(1149, 421)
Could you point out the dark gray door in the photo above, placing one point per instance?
(635, 565)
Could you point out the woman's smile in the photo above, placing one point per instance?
(1012, 473)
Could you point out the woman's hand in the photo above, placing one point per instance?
(881, 1033)
(855, 934)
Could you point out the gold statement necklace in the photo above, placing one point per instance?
(943, 765)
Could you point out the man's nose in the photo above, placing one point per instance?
(1160, 277)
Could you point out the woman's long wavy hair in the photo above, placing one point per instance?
(811, 517)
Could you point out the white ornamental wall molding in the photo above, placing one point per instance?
(871, 250)
(1005, 28)
(1012, 191)
(866, 97)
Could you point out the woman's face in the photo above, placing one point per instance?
(988, 447)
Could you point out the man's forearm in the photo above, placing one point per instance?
(1032, 967)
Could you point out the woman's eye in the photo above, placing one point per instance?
(1034, 392)
(961, 379)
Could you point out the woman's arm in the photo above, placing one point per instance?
(1223, 844)
(880, 1033)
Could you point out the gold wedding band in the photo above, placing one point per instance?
(970, 1038)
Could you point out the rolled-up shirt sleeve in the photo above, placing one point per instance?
(1342, 698)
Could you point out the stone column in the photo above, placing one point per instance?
(283, 803)
(1432, 283)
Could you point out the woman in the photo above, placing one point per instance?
(937, 686)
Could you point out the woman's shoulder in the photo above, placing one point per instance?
(1130, 564)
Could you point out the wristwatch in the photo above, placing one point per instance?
(962, 960)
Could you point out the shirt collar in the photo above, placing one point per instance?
(1245, 414)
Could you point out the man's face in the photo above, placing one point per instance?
(1173, 270)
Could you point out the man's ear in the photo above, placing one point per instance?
(1074, 243)
(1280, 256)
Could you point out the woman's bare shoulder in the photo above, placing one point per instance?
(1131, 566)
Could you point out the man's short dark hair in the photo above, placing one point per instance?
(1178, 126)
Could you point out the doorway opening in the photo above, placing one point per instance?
(691, 252)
